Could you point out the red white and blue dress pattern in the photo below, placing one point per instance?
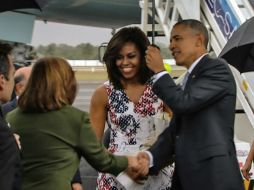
(132, 128)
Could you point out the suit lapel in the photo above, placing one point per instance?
(195, 71)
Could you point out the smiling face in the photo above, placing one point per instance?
(128, 61)
(186, 45)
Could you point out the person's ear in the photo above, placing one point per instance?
(2, 81)
(200, 40)
(18, 88)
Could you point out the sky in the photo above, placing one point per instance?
(46, 33)
(50, 32)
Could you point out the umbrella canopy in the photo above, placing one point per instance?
(9, 5)
(239, 50)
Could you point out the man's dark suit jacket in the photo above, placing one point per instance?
(9, 158)
(202, 129)
(9, 106)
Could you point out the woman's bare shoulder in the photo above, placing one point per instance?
(100, 94)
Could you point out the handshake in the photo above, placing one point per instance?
(138, 167)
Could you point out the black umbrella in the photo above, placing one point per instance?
(10, 5)
(239, 50)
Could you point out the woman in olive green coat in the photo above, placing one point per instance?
(54, 134)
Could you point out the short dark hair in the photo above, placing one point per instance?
(5, 50)
(123, 36)
(196, 25)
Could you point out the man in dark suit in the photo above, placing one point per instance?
(9, 151)
(201, 133)
(21, 77)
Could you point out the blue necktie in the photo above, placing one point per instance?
(185, 80)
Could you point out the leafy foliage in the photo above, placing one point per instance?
(83, 51)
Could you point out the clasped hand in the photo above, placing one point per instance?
(138, 167)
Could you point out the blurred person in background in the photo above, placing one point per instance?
(248, 163)
(21, 77)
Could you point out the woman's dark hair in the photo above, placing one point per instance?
(123, 36)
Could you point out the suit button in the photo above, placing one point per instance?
(177, 136)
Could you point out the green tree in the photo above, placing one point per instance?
(82, 51)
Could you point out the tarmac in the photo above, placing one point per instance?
(82, 101)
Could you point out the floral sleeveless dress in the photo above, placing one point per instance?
(132, 129)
